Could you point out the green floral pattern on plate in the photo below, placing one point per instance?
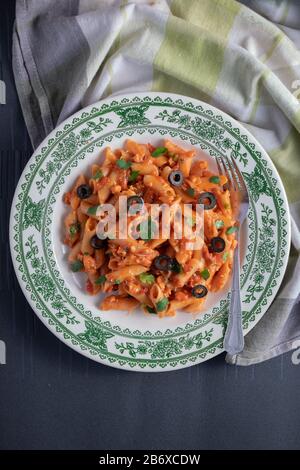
(44, 284)
(33, 213)
(95, 335)
(165, 348)
(133, 116)
(265, 254)
(206, 130)
(145, 116)
(66, 149)
(257, 183)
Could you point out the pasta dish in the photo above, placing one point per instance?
(151, 265)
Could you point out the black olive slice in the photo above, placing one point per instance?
(163, 263)
(217, 244)
(199, 291)
(208, 200)
(97, 243)
(84, 191)
(176, 178)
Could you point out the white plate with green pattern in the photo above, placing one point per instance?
(143, 342)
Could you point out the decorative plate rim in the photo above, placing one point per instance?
(133, 100)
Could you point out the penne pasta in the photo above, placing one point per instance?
(92, 287)
(155, 294)
(185, 163)
(88, 233)
(125, 273)
(150, 258)
(195, 306)
(160, 187)
(134, 288)
(179, 304)
(220, 278)
(165, 172)
(74, 199)
(191, 267)
(75, 251)
(114, 302)
(109, 160)
(159, 161)
(145, 168)
(139, 151)
(89, 264)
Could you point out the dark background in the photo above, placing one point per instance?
(53, 398)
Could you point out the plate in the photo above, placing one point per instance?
(136, 341)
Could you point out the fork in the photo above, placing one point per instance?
(234, 338)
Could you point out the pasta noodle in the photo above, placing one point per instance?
(114, 302)
(151, 267)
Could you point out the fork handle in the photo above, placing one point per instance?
(234, 338)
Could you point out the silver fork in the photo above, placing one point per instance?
(234, 338)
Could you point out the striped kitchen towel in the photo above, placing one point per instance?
(243, 57)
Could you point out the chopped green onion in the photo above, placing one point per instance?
(86, 253)
(76, 266)
(225, 256)
(176, 267)
(214, 179)
(162, 304)
(100, 280)
(231, 230)
(205, 273)
(133, 176)
(92, 210)
(150, 309)
(191, 192)
(74, 228)
(159, 151)
(123, 164)
(117, 281)
(147, 278)
(219, 223)
(97, 175)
